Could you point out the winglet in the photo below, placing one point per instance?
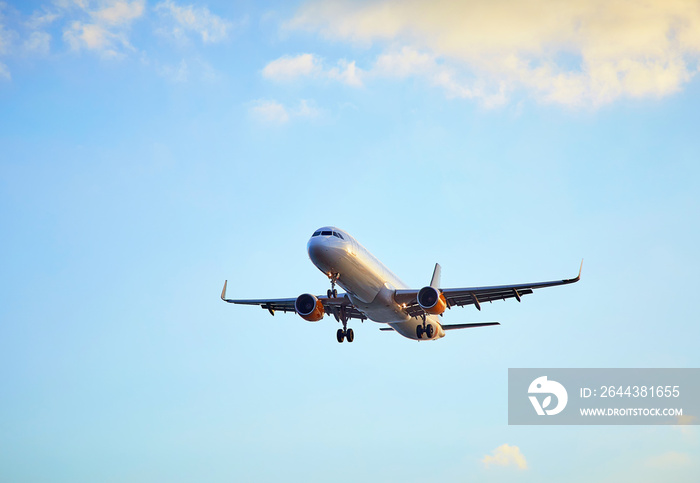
(578, 277)
(223, 292)
(435, 281)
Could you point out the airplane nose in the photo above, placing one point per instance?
(323, 253)
(314, 248)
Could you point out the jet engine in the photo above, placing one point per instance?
(309, 307)
(432, 300)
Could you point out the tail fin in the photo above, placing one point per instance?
(435, 282)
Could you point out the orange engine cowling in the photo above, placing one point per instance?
(432, 300)
(309, 307)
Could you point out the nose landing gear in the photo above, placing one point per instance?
(332, 292)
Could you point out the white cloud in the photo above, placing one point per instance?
(38, 42)
(5, 35)
(40, 19)
(272, 112)
(307, 109)
(211, 28)
(575, 53)
(269, 112)
(405, 62)
(505, 455)
(408, 62)
(120, 12)
(105, 29)
(347, 73)
(93, 36)
(190, 69)
(288, 68)
(178, 74)
(5, 41)
(4, 72)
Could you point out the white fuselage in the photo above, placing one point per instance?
(368, 283)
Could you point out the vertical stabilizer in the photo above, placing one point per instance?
(435, 282)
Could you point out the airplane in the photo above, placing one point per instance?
(375, 293)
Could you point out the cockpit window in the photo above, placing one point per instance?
(316, 233)
(335, 233)
(326, 233)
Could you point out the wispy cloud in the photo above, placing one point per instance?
(574, 53)
(104, 30)
(120, 12)
(269, 111)
(5, 72)
(6, 37)
(175, 73)
(38, 43)
(190, 69)
(42, 19)
(289, 68)
(347, 73)
(199, 20)
(505, 455)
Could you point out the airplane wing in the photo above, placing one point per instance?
(477, 295)
(333, 306)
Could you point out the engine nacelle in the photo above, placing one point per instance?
(309, 307)
(432, 300)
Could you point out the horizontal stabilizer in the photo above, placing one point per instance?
(469, 326)
(457, 326)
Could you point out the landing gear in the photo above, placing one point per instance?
(332, 292)
(428, 330)
(345, 334)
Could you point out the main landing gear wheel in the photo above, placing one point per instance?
(345, 334)
(332, 293)
(429, 331)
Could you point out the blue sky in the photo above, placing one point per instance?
(150, 150)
